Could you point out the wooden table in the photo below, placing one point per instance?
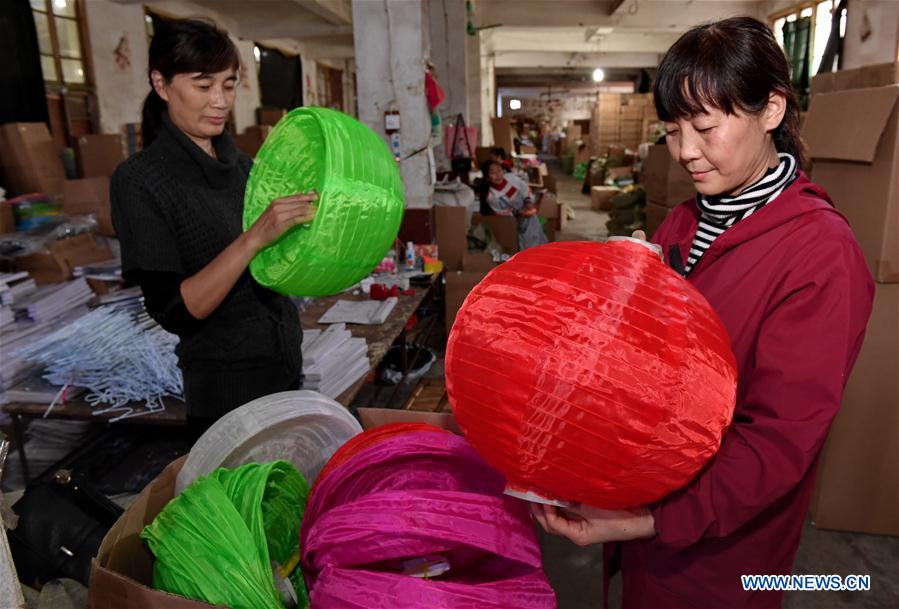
(379, 339)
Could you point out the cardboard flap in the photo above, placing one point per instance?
(847, 125)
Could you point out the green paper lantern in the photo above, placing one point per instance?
(360, 202)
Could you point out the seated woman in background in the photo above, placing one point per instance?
(506, 194)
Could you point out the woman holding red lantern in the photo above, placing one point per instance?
(781, 268)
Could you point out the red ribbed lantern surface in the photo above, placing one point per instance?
(592, 373)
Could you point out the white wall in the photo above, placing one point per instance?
(880, 19)
(121, 88)
(473, 62)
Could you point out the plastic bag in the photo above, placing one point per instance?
(217, 540)
(404, 501)
(360, 202)
(592, 373)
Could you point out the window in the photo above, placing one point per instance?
(59, 35)
(803, 33)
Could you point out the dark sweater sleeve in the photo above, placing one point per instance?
(163, 302)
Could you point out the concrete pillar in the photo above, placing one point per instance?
(391, 39)
(473, 62)
(488, 95)
(449, 50)
(872, 33)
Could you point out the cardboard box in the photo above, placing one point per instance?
(549, 182)
(583, 152)
(664, 180)
(482, 154)
(504, 229)
(853, 139)
(250, 141)
(452, 235)
(858, 476)
(525, 149)
(61, 258)
(655, 214)
(99, 155)
(616, 173)
(877, 75)
(89, 196)
(502, 133)
(479, 262)
(29, 160)
(562, 220)
(375, 417)
(122, 572)
(269, 116)
(7, 220)
(458, 285)
(601, 197)
(573, 132)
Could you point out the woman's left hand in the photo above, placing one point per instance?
(528, 211)
(585, 525)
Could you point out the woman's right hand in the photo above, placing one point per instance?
(279, 217)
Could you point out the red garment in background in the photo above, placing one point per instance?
(792, 288)
(433, 92)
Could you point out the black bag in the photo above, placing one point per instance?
(62, 521)
(461, 160)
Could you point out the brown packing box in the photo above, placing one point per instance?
(525, 149)
(664, 180)
(502, 133)
(458, 285)
(655, 214)
(582, 153)
(562, 220)
(269, 116)
(853, 139)
(99, 155)
(375, 417)
(479, 262)
(482, 154)
(122, 572)
(89, 196)
(62, 257)
(7, 220)
(877, 75)
(504, 229)
(549, 182)
(452, 240)
(573, 132)
(250, 141)
(601, 197)
(858, 477)
(620, 172)
(29, 160)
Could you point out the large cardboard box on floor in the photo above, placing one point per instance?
(250, 141)
(601, 197)
(853, 139)
(97, 156)
(502, 134)
(122, 572)
(89, 196)
(458, 285)
(29, 160)
(663, 178)
(858, 475)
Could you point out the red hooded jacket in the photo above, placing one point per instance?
(792, 288)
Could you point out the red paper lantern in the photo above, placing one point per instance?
(591, 373)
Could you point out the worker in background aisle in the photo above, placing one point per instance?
(505, 194)
(177, 207)
(783, 271)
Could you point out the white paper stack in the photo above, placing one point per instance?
(15, 286)
(52, 300)
(333, 360)
(367, 312)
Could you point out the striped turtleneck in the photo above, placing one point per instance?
(717, 213)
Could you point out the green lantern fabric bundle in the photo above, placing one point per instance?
(360, 202)
(216, 541)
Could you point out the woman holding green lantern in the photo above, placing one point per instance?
(178, 209)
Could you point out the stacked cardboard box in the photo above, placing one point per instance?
(607, 124)
(502, 134)
(29, 160)
(97, 156)
(666, 183)
(89, 196)
(250, 141)
(853, 138)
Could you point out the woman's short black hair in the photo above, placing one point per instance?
(183, 46)
(734, 64)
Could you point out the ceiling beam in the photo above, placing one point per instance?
(576, 60)
(336, 12)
